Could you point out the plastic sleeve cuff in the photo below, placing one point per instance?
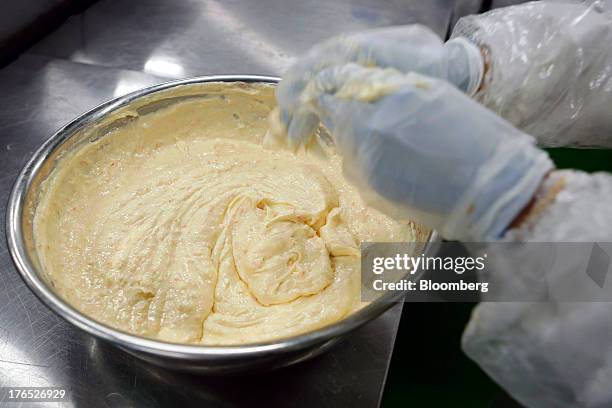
(473, 58)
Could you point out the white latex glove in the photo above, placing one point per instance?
(412, 48)
(549, 68)
(418, 148)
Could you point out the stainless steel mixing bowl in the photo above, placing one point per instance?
(204, 359)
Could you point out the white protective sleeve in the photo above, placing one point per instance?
(554, 353)
(548, 68)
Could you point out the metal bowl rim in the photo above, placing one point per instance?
(36, 284)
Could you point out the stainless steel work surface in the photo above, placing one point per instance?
(177, 39)
(38, 348)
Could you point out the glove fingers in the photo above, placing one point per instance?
(317, 104)
(352, 82)
(383, 47)
(387, 48)
(301, 127)
(411, 32)
(328, 106)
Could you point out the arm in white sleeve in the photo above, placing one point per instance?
(548, 69)
(554, 353)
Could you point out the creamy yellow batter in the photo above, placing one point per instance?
(181, 226)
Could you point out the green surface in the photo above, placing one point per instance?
(428, 368)
(583, 159)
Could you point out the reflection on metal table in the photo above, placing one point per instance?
(116, 47)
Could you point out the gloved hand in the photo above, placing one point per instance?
(412, 48)
(419, 148)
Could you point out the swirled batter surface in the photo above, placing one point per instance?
(181, 226)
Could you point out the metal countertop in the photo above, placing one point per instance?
(178, 39)
(119, 46)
